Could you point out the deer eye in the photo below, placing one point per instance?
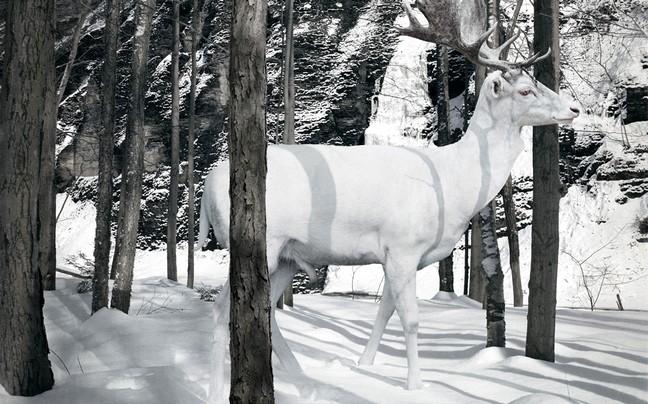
(525, 92)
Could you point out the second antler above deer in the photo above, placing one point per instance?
(404, 208)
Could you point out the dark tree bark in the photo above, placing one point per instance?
(541, 321)
(76, 37)
(27, 129)
(513, 242)
(477, 283)
(172, 217)
(476, 290)
(491, 265)
(289, 104)
(106, 154)
(47, 191)
(191, 195)
(131, 189)
(446, 275)
(250, 346)
(47, 198)
(289, 78)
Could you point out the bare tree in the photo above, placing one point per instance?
(476, 289)
(47, 197)
(289, 105)
(594, 277)
(172, 217)
(477, 282)
(513, 241)
(446, 276)
(47, 201)
(106, 154)
(131, 188)
(191, 194)
(27, 131)
(76, 38)
(541, 321)
(250, 345)
(289, 78)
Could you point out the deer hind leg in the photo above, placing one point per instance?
(220, 344)
(279, 281)
(402, 281)
(385, 311)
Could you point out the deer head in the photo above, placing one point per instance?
(525, 101)
(457, 24)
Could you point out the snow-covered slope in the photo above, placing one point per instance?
(159, 354)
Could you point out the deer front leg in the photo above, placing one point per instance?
(385, 311)
(407, 309)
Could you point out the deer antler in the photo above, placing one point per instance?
(447, 25)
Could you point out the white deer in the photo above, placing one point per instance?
(404, 208)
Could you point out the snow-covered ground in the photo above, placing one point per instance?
(160, 352)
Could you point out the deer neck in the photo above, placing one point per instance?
(491, 145)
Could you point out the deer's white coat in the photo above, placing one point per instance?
(404, 208)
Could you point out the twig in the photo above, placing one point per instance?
(63, 363)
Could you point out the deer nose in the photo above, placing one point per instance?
(575, 109)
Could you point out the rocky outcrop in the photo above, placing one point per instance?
(342, 48)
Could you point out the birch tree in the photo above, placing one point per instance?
(492, 268)
(491, 262)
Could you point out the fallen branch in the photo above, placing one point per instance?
(71, 273)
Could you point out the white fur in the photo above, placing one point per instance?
(400, 207)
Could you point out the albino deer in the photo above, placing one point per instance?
(404, 208)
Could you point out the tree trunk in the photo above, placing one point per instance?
(289, 104)
(198, 22)
(27, 129)
(250, 345)
(466, 263)
(514, 244)
(76, 37)
(492, 267)
(106, 153)
(541, 321)
(446, 276)
(476, 290)
(131, 189)
(172, 217)
(289, 78)
(47, 199)
(191, 194)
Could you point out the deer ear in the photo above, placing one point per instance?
(496, 87)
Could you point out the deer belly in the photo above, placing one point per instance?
(319, 248)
